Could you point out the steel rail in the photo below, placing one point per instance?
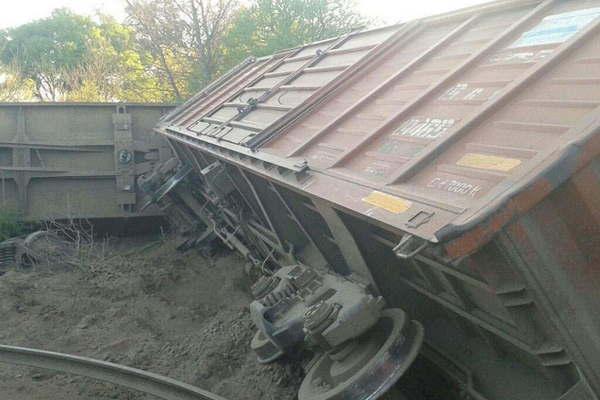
(132, 378)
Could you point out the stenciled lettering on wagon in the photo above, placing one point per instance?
(400, 148)
(455, 186)
(519, 57)
(425, 127)
(376, 169)
(463, 91)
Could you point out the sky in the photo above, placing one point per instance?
(17, 12)
(393, 11)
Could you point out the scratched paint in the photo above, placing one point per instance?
(400, 148)
(464, 91)
(520, 57)
(425, 127)
(322, 156)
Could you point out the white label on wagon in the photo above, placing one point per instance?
(557, 28)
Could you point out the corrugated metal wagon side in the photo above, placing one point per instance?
(77, 160)
(452, 162)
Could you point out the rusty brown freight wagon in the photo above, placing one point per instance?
(451, 163)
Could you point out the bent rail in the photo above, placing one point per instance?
(132, 378)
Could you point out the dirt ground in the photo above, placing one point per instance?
(153, 308)
(142, 304)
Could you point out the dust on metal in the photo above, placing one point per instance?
(451, 164)
(453, 114)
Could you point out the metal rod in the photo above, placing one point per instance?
(132, 378)
(278, 235)
(3, 188)
(296, 219)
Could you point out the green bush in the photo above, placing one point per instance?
(11, 225)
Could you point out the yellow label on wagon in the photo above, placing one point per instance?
(489, 162)
(388, 202)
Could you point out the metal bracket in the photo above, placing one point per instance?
(124, 158)
(168, 185)
(409, 246)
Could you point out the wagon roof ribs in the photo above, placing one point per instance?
(445, 127)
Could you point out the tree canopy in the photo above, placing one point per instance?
(164, 51)
(267, 26)
(44, 50)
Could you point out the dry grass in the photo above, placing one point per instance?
(11, 225)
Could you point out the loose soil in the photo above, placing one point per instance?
(154, 308)
(146, 305)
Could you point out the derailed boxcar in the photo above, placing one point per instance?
(449, 163)
(77, 160)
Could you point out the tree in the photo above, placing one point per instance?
(44, 50)
(13, 87)
(184, 37)
(75, 58)
(167, 50)
(267, 26)
(113, 69)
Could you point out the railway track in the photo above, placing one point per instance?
(132, 378)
